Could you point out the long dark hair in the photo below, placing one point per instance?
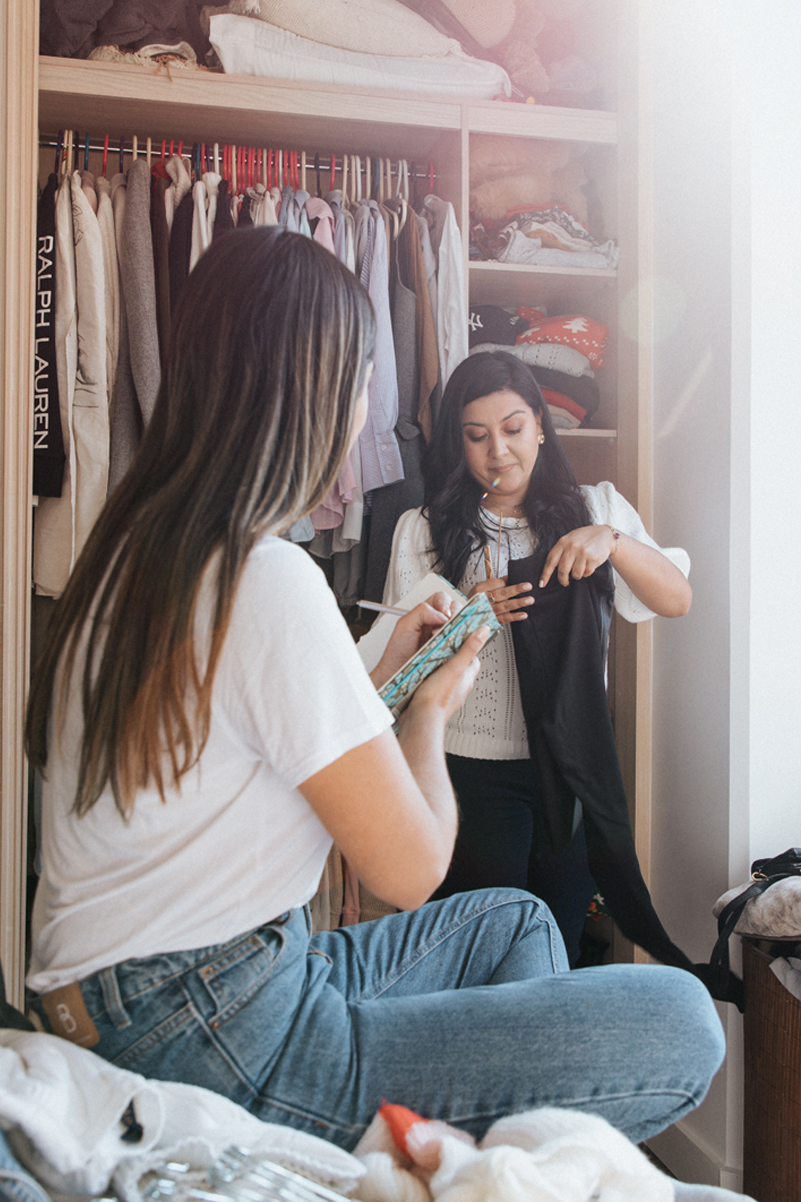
(554, 503)
(251, 427)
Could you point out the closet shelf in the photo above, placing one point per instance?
(542, 121)
(583, 433)
(477, 266)
(123, 98)
(516, 283)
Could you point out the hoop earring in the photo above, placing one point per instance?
(541, 438)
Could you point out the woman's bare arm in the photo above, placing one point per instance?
(388, 804)
(650, 575)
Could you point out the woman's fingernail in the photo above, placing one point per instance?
(542, 584)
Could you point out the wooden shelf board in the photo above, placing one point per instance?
(125, 98)
(508, 284)
(122, 99)
(479, 266)
(588, 433)
(542, 121)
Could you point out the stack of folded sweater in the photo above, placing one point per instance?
(562, 352)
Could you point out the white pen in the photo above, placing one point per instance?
(382, 609)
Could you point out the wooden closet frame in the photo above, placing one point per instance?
(121, 99)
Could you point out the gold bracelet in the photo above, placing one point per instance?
(615, 536)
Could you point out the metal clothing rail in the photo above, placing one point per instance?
(245, 166)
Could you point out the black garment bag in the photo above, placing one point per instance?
(560, 652)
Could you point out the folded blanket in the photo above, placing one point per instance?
(247, 46)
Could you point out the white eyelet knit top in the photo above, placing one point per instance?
(490, 725)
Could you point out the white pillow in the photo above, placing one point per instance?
(367, 26)
(248, 47)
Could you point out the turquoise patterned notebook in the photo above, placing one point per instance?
(440, 647)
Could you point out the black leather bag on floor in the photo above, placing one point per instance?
(765, 873)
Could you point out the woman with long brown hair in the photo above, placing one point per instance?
(206, 728)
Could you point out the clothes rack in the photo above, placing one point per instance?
(368, 175)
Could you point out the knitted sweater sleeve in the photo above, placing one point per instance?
(411, 557)
(410, 560)
(608, 507)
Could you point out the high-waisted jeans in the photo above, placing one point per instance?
(462, 1010)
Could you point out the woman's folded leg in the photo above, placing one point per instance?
(463, 1010)
(398, 1020)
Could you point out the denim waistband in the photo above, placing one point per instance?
(103, 991)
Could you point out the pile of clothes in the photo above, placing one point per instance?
(520, 48)
(562, 351)
(73, 1124)
(348, 43)
(533, 202)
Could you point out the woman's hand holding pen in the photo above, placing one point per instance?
(411, 631)
(509, 601)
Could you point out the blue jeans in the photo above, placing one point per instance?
(462, 1010)
(17, 1185)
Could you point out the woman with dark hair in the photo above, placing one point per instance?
(497, 478)
(206, 728)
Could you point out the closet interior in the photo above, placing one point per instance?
(444, 139)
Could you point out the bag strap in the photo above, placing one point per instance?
(787, 864)
(727, 921)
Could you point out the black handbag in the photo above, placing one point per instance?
(764, 873)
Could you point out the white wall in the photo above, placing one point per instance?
(727, 455)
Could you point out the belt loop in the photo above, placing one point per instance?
(112, 998)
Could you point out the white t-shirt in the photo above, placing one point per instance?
(490, 725)
(238, 844)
